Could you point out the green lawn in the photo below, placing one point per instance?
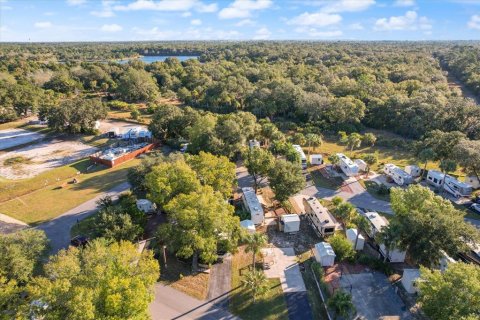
(372, 188)
(31, 201)
(84, 227)
(320, 181)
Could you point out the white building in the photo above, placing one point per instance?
(324, 254)
(321, 219)
(146, 206)
(409, 280)
(451, 185)
(399, 176)
(248, 225)
(316, 159)
(290, 223)
(362, 165)
(348, 167)
(413, 170)
(300, 152)
(352, 237)
(252, 204)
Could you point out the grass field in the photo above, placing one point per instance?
(372, 187)
(320, 181)
(50, 194)
(271, 306)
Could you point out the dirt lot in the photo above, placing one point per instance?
(31, 160)
(14, 137)
(123, 126)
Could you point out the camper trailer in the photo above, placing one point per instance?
(399, 176)
(362, 165)
(451, 185)
(252, 204)
(290, 223)
(320, 218)
(316, 159)
(146, 206)
(300, 152)
(413, 170)
(348, 167)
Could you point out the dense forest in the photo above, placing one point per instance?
(342, 86)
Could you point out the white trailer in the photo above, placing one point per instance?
(451, 185)
(146, 206)
(362, 165)
(320, 218)
(252, 204)
(324, 254)
(316, 159)
(290, 223)
(394, 255)
(303, 158)
(398, 175)
(413, 170)
(348, 167)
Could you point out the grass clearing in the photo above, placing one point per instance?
(333, 183)
(271, 306)
(51, 193)
(85, 227)
(373, 188)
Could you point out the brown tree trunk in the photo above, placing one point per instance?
(195, 262)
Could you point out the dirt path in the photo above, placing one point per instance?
(454, 82)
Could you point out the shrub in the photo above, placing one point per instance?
(342, 247)
(375, 263)
(118, 105)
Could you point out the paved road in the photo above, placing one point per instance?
(476, 223)
(10, 225)
(220, 282)
(58, 229)
(172, 304)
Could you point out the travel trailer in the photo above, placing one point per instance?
(316, 159)
(348, 167)
(413, 170)
(451, 185)
(300, 152)
(362, 165)
(146, 206)
(399, 176)
(252, 204)
(321, 219)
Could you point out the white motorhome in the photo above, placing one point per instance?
(451, 185)
(399, 176)
(320, 218)
(348, 167)
(252, 204)
(300, 152)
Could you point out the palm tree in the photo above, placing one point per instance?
(345, 211)
(362, 224)
(354, 140)
(255, 282)
(255, 242)
(313, 141)
(341, 302)
(370, 160)
(334, 160)
(389, 237)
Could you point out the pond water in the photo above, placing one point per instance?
(150, 59)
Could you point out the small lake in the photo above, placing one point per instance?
(150, 59)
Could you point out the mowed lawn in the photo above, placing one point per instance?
(52, 193)
(271, 306)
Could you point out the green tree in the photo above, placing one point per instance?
(100, 281)
(215, 171)
(256, 283)
(390, 237)
(113, 223)
(255, 242)
(313, 141)
(137, 86)
(258, 162)
(370, 159)
(334, 159)
(341, 302)
(369, 139)
(165, 122)
(426, 155)
(467, 154)
(446, 166)
(459, 285)
(354, 140)
(343, 249)
(198, 221)
(169, 179)
(362, 224)
(345, 211)
(285, 179)
(62, 82)
(299, 138)
(21, 253)
(429, 224)
(442, 143)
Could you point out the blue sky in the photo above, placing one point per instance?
(124, 20)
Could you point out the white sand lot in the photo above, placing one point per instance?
(15, 137)
(43, 156)
(122, 126)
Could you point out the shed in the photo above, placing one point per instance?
(409, 279)
(352, 237)
(413, 170)
(146, 206)
(324, 254)
(362, 165)
(248, 225)
(290, 223)
(253, 143)
(316, 159)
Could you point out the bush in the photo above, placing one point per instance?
(118, 105)
(318, 270)
(342, 247)
(375, 263)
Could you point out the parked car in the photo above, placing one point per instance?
(477, 200)
(476, 207)
(79, 241)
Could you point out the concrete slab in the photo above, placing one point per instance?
(374, 297)
(286, 268)
(15, 137)
(298, 306)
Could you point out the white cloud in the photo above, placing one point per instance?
(43, 24)
(243, 8)
(196, 22)
(262, 34)
(111, 28)
(186, 14)
(319, 19)
(404, 3)
(107, 9)
(167, 5)
(474, 22)
(347, 6)
(356, 26)
(245, 22)
(315, 33)
(189, 34)
(409, 21)
(76, 2)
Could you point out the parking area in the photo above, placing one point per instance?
(123, 126)
(374, 297)
(14, 137)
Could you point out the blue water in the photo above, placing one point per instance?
(150, 59)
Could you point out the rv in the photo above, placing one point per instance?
(399, 176)
(348, 167)
(252, 204)
(451, 185)
(300, 152)
(320, 218)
